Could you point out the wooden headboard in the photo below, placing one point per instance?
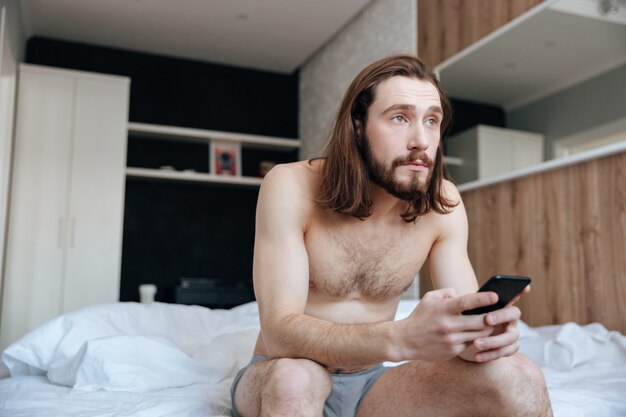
(566, 229)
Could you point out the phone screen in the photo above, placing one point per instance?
(506, 286)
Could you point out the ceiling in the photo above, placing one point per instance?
(272, 35)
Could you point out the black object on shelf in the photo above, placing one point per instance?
(212, 293)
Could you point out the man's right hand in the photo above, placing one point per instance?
(437, 331)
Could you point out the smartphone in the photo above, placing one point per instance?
(506, 286)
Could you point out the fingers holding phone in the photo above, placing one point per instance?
(493, 347)
(524, 292)
(501, 316)
(436, 330)
(508, 288)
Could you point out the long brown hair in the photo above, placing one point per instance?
(345, 185)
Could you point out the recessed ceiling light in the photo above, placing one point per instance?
(608, 7)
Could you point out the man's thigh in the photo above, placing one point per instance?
(423, 389)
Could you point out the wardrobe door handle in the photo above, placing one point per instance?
(60, 233)
(72, 231)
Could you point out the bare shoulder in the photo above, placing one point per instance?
(456, 219)
(288, 193)
(301, 169)
(301, 177)
(450, 192)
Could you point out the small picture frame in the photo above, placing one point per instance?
(225, 158)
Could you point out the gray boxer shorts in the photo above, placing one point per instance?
(345, 397)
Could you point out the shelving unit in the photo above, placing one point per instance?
(204, 136)
(553, 46)
(167, 175)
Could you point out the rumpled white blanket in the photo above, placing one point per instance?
(584, 367)
(571, 345)
(170, 360)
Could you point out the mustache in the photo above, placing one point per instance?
(421, 155)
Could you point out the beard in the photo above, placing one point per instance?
(384, 176)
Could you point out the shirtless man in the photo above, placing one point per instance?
(338, 239)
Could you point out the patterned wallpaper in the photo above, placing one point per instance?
(383, 28)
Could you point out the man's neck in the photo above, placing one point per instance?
(384, 205)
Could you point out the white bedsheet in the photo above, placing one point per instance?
(585, 366)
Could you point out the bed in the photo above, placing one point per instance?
(157, 359)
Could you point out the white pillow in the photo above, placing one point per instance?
(130, 363)
(68, 343)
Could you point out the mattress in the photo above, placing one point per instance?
(131, 359)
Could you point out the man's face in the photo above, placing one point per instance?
(402, 135)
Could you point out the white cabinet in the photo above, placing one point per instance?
(487, 151)
(67, 196)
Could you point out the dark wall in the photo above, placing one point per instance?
(186, 93)
(468, 114)
(175, 229)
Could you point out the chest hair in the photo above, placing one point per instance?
(375, 266)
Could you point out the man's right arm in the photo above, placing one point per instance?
(435, 330)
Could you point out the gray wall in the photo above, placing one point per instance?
(15, 28)
(383, 28)
(592, 103)
(12, 52)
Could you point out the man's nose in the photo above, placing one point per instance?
(418, 140)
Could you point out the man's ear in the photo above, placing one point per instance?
(358, 130)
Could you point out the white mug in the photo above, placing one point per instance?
(147, 292)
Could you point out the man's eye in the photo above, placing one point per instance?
(432, 121)
(399, 118)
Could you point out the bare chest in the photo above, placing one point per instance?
(375, 263)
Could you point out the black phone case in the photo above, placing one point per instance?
(506, 286)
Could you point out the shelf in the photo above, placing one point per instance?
(589, 155)
(167, 175)
(550, 48)
(206, 136)
(453, 160)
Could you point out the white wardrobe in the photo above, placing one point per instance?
(66, 203)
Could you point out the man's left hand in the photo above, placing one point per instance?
(503, 341)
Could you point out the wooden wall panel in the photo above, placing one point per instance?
(564, 228)
(446, 27)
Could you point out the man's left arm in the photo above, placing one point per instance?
(450, 267)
